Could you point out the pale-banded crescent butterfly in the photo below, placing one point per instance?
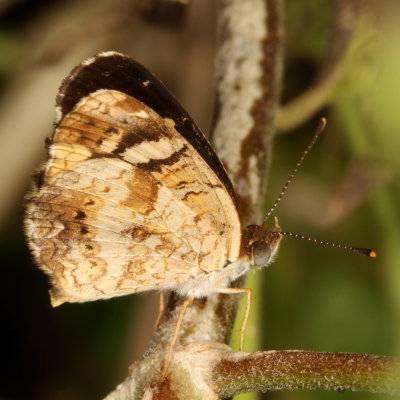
(133, 197)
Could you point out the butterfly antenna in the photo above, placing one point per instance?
(359, 250)
(319, 130)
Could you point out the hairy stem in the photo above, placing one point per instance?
(291, 370)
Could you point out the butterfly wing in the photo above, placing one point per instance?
(127, 202)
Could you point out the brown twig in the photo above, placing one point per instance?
(247, 90)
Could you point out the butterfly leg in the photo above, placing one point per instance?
(185, 305)
(161, 310)
(247, 311)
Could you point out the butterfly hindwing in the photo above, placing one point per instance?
(127, 203)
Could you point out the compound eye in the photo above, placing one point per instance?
(261, 253)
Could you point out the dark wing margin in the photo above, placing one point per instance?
(115, 71)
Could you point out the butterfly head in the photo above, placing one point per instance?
(261, 244)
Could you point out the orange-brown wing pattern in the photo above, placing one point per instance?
(126, 204)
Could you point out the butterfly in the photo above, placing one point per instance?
(133, 197)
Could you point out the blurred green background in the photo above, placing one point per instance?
(313, 297)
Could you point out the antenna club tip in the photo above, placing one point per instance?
(323, 122)
(366, 252)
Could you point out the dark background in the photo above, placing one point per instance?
(313, 297)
